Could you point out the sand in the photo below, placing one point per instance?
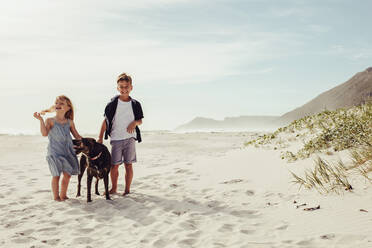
(189, 190)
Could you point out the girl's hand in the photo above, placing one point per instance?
(38, 116)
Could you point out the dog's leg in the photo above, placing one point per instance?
(106, 182)
(83, 164)
(97, 193)
(89, 185)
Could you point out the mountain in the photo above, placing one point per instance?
(230, 123)
(355, 91)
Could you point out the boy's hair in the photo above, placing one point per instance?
(124, 77)
(69, 114)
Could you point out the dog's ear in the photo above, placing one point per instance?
(76, 142)
(91, 142)
(85, 141)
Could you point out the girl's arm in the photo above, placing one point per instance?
(44, 127)
(74, 131)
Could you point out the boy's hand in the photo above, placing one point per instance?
(38, 116)
(131, 127)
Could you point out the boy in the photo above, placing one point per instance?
(122, 117)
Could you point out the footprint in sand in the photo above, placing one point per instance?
(86, 230)
(194, 234)
(37, 207)
(186, 242)
(83, 240)
(268, 194)
(160, 243)
(89, 216)
(218, 245)
(187, 225)
(304, 242)
(233, 181)
(72, 212)
(147, 221)
(42, 191)
(144, 241)
(287, 241)
(151, 176)
(25, 232)
(51, 241)
(59, 223)
(206, 190)
(328, 236)
(23, 240)
(249, 192)
(216, 205)
(183, 171)
(31, 182)
(226, 228)
(11, 224)
(47, 229)
(191, 201)
(245, 213)
(281, 227)
(248, 232)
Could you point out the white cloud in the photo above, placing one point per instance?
(69, 42)
(319, 28)
(352, 53)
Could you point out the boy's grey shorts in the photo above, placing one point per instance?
(123, 151)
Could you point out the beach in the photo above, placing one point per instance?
(189, 190)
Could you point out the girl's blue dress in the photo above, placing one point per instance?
(61, 154)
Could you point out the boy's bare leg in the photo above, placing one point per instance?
(64, 186)
(128, 178)
(55, 188)
(114, 174)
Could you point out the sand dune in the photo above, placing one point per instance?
(356, 91)
(189, 190)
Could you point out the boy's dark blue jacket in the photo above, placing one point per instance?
(110, 110)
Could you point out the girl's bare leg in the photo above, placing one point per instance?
(55, 188)
(64, 185)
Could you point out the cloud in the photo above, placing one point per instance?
(319, 28)
(69, 42)
(356, 52)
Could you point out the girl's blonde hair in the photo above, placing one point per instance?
(69, 114)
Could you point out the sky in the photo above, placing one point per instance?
(214, 59)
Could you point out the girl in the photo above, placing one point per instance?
(61, 156)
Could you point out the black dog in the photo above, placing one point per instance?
(97, 159)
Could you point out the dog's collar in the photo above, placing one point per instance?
(96, 157)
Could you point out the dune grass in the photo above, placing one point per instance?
(325, 132)
(328, 132)
(325, 177)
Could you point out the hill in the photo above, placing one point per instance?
(230, 123)
(356, 91)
